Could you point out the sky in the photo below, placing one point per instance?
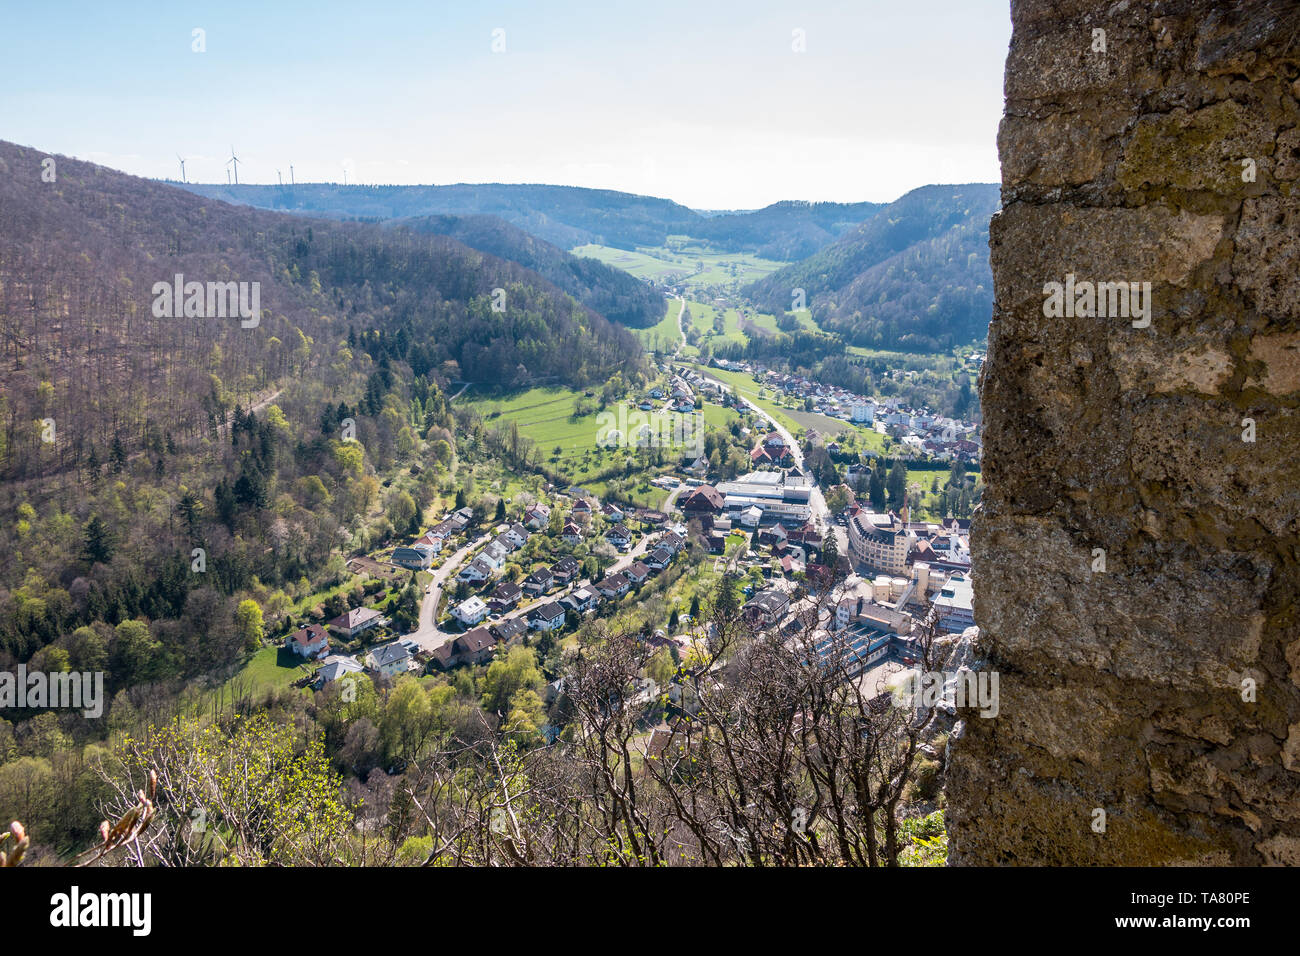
(707, 103)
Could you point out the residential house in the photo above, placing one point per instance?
(417, 557)
(495, 554)
(637, 573)
(510, 629)
(390, 660)
(546, 617)
(476, 571)
(539, 582)
(565, 570)
(766, 608)
(772, 450)
(537, 517)
(611, 511)
(310, 642)
(505, 596)
(572, 534)
(336, 666)
(471, 611)
(473, 647)
(516, 536)
(355, 622)
(615, 585)
(704, 500)
(581, 599)
(658, 559)
(619, 536)
(671, 542)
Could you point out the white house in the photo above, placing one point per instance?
(477, 570)
(470, 611)
(547, 617)
(310, 642)
(389, 660)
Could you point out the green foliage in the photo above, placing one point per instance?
(924, 841)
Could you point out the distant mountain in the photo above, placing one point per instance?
(565, 216)
(784, 231)
(913, 276)
(568, 216)
(612, 292)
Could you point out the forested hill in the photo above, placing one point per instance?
(612, 292)
(785, 230)
(267, 445)
(569, 216)
(81, 344)
(565, 216)
(914, 276)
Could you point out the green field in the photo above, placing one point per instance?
(684, 262)
(665, 335)
(924, 478)
(546, 415)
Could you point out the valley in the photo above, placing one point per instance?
(443, 447)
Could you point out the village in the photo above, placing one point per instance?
(487, 585)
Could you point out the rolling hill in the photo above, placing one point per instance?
(568, 216)
(139, 429)
(612, 292)
(913, 276)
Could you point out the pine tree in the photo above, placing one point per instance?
(118, 456)
(98, 546)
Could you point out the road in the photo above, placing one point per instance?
(429, 636)
(816, 500)
(681, 329)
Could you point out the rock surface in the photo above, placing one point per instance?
(1138, 559)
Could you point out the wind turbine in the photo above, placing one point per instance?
(178, 156)
(279, 177)
(291, 174)
(235, 161)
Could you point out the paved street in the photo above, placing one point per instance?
(430, 636)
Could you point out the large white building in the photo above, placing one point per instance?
(955, 604)
(778, 496)
(880, 541)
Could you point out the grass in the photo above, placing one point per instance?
(546, 416)
(271, 668)
(925, 477)
(744, 385)
(664, 335)
(303, 605)
(684, 262)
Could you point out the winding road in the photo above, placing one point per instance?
(429, 636)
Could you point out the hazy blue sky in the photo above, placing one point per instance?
(703, 102)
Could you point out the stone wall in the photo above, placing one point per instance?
(1137, 553)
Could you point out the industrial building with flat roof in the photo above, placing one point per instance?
(780, 497)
